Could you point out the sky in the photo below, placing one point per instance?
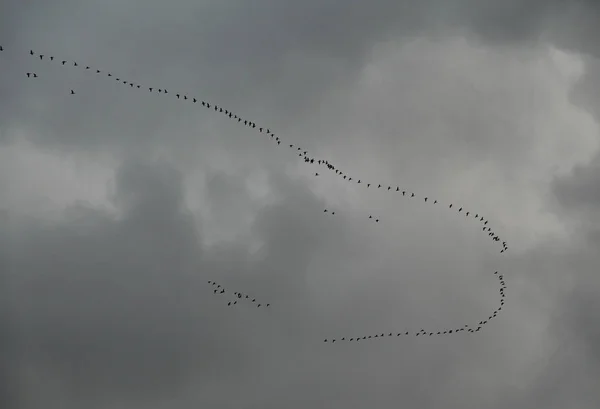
(118, 205)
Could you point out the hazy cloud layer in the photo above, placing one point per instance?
(118, 205)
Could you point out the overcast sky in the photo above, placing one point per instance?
(117, 205)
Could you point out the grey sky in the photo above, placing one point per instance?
(118, 205)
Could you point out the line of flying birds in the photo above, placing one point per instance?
(326, 165)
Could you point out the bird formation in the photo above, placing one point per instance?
(325, 165)
(442, 332)
(237, 296)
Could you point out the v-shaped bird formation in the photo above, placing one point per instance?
(324, 164)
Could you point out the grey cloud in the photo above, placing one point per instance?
(292, 52)
(580, 189)
(99, 310)
(116, 310)
(119, 307)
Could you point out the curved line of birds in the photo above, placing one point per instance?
(327, 165)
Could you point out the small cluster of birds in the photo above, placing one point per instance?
(218, 289)
(314, 161)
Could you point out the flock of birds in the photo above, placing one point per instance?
(324, 164)
(237, 296)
